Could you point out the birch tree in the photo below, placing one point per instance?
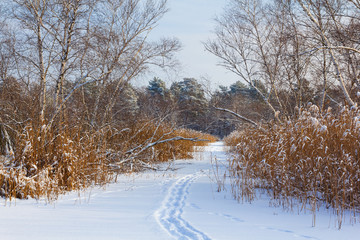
(245, 45)
(83, 42)
(310, 8)
(304, 51)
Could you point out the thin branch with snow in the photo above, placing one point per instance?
(238, 116)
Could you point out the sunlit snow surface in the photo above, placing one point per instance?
(181, 203)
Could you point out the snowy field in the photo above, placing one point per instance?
(180, 203)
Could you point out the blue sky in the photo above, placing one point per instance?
(192, 22)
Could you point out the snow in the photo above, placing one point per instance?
(179, 203)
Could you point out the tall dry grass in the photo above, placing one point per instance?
(145, 142)
(312, 160)
(48, 164)
(50, 161)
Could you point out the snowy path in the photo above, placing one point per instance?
(177, 204)
(169, 215)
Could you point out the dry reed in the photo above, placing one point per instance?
(312, 160)
(48, 162)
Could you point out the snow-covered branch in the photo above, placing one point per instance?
(136, 151)
(238, 116)
(178, 138)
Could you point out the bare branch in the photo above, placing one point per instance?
(238, 116)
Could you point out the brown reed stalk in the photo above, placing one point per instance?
(313, 158)
(50, 161)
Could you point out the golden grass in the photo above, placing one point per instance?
(143, 133)
(46, 164)
(49, 162)
(313, 159)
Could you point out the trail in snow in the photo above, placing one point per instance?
(169, 215)
(181, 204)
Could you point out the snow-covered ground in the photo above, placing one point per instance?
(180, 203)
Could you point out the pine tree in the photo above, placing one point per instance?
(191, 101)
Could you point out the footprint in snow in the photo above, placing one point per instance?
(169, 215)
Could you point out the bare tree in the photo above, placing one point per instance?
(119, 49)
(311, 8)
(31, 15)
(246, 45)
(288, 45)
(79, 42)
